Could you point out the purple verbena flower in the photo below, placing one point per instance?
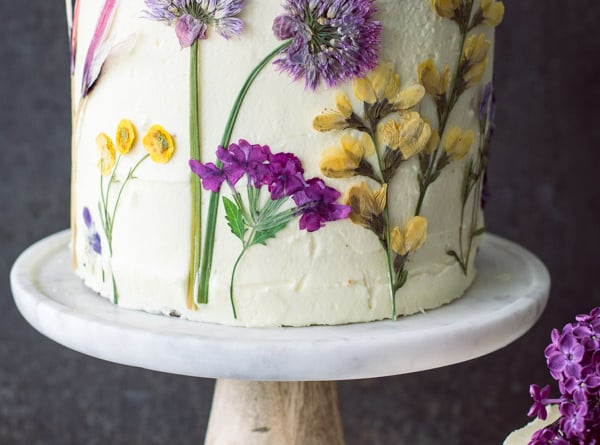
(192, 18)
(93, 237)
(286, 175)
(211, 175)
(244, 158)
(317, 205)
(332, 40)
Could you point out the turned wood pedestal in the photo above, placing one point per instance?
(277, 386)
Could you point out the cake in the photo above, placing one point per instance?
(280, 162)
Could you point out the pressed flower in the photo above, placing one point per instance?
(125, 136)
(397, 238)
(285, 176)
(93, 237)
(107, 153)
(247, 159)
(342, 161)
(317, 205)
(409, 134)
(159, 144)
(458, 143)
(475, 74)
(367, 205)
(492, 11)
(412, 238)
(192, 18)
(332, 41)
(445, 8)
(435, 84)
(433, 143)
(211, 175)
(476, 49)
(335, 120)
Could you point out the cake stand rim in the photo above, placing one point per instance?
(377, 338)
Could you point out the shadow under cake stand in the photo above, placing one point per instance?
(277, 386)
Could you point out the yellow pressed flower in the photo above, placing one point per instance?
(445, 8)
(476, 49)
(415, 233)
(335, 120)
(410, 134)
(408, 97)
(107, 153)
(366, 205)
(393, 88)
(412, 238)
(475, 73)
(397, 241)
(492, 11)
(433, 143)
(377, 84)
(341, 162)
(458, 143)
(125, 136)
(435, 84)
(159, 144)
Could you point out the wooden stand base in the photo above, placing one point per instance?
(275, 413)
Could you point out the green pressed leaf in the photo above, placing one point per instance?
(234, 217)
(262, 236)
(402, 279)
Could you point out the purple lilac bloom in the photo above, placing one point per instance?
(286, 175)
(331, 40)
(317, 205)
(572, 423)
(566, 356)
(192, 18)
(548, 436)
(212, 176)
(93, 237)
(539, 397)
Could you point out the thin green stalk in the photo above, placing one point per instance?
(209, 238)
(129, 176)
(235, 266)
(195, 180)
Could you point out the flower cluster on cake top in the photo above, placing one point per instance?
(573, 358)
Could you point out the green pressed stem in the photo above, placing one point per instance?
(235, 266)
(211, 219)
(196, 250)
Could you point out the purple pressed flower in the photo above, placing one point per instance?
(244, 158)
(286, 175)
(331, 40)
(539, 397)
(212, 176)
(317, 205)
(193, 17)
(93, 237)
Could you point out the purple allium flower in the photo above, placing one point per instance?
(317, 205)
(286, 175)
(245, 158)
(93, 237)
(193, 17)
(212, 176)
(332, 40)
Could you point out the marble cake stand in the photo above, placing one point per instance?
(277, 386)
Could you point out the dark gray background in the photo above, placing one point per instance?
(545, 195)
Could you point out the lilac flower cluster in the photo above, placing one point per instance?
(281, 173)
(573, 359)
(332, 40)
(193, 17)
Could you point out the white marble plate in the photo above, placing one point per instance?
(507, 298)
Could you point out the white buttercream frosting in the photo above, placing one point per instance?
(333, 276)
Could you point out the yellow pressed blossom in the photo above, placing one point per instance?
(125, 136)
(107, 153)
(412, 238)
(475, 73)
(476, 49)
(435, 84)
(433, 143)
(457, 143)
(492, 11)
(445, 8)
(366, 204)
(335, 120)
(409, 134)
(159, 144)
(342, 161)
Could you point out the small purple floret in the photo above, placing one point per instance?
(317, 205)
(332, 40)
(93, 237)
(212, 176)
(286, 175)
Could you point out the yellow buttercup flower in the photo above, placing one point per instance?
(159, 144)
(445, 8)
(492, 11)
(342, 161)
(125, 136)
(435, 84)
(458, 143)
(335, 120)
(412, 238)
(107, 153)
(409, 134)
(367, 205)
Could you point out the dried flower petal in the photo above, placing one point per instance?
(159, 144)
(107, 153)
(493, 12)
(458, 143)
